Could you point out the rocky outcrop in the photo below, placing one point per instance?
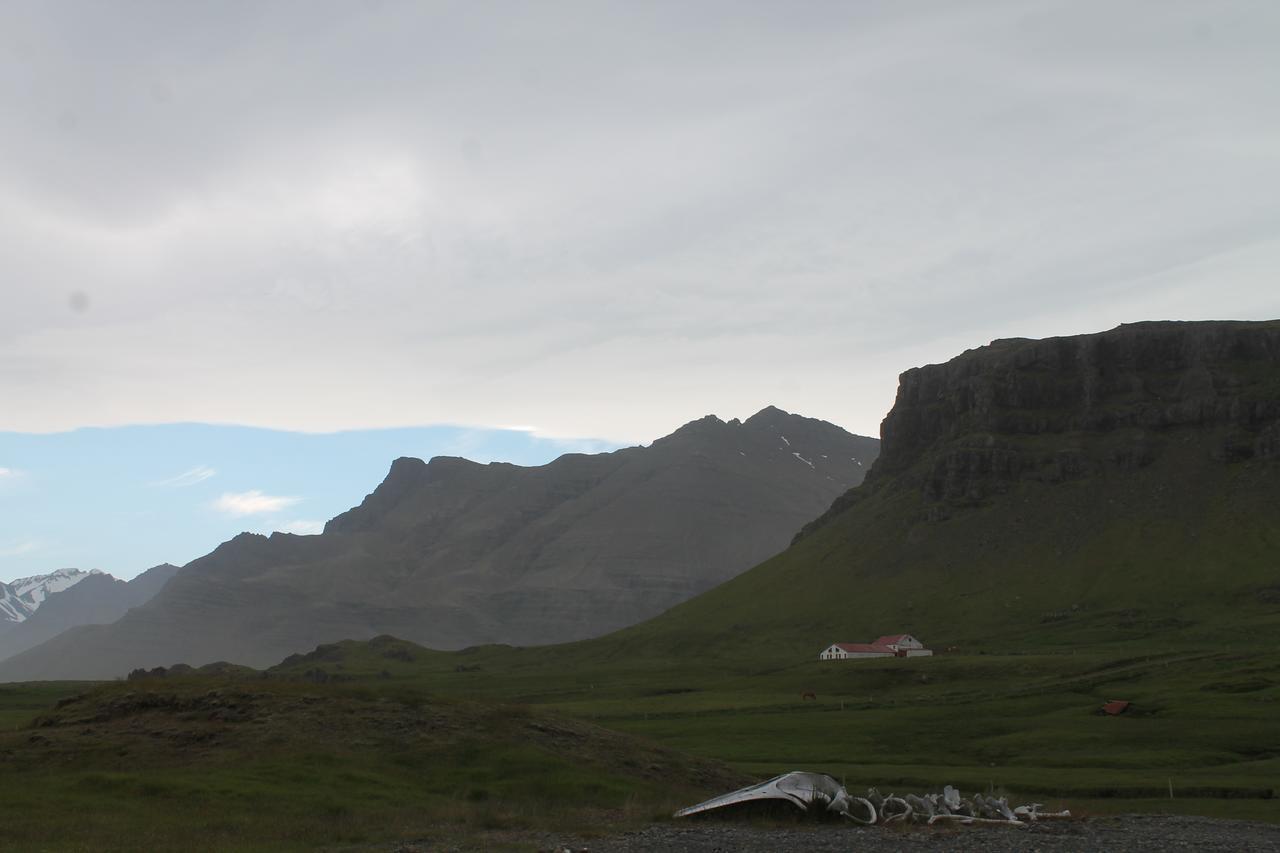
(1072, 407)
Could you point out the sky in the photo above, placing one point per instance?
(600, 219)
(124, 499)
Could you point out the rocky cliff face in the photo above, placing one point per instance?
(1072, 407)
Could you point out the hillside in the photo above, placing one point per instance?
(95, 599)
(1115, 488)
(450, 553)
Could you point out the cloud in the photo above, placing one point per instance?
(303, 527)
(252, 502)
(198, 474)
(20, 549)
(607, 218)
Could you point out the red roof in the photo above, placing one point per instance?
(865, 647)
(1116, 706)
(890, 639)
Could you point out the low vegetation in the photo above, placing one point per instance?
(1202, 721)
(272, 763)
(360, 744)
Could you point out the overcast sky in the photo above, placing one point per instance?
(601, 219)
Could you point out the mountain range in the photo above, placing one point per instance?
(451, 553)
(91, 598)
(1083, 490)
(21, 598)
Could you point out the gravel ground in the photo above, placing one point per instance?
(1121, 834)
(1164, 834)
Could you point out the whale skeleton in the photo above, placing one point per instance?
(817, 793)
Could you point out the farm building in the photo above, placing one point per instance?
(903, 643)
(845, 651)
(888, 646)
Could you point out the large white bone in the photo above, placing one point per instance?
(817, 793)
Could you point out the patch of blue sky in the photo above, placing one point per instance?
(123, 499)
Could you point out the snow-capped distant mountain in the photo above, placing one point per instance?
(93, 599)
(12, 608)
(22, 597)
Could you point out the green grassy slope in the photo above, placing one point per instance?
(1185, 551)
(201, 762)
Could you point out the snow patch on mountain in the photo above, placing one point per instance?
(22, 597)
(12, 608)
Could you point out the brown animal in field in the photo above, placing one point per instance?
(807, 695)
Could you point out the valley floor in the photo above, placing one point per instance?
(366, 746)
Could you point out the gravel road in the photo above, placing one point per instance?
(1138, 833)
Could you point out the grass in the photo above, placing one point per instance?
(1203, 719)
(271, 764)
(282, 762)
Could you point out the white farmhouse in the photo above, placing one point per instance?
(888, 646)
(846, 651)
(904, 644)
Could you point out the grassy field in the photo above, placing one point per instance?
(359, 744)
(1203, 722)
(272, 764)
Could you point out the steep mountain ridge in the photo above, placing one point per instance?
(450, 553)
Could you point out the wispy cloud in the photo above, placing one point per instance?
(20, 549)
(190, 477)
(6, 473)
(252, 502)
(303, 527)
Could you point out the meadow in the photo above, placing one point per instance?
(358, 745)
(1202, 722)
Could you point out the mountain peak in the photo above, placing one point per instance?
(769, 415)
(705, 426)
(770, 411)
(23, 596)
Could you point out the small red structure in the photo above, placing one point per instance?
(1115, 707)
